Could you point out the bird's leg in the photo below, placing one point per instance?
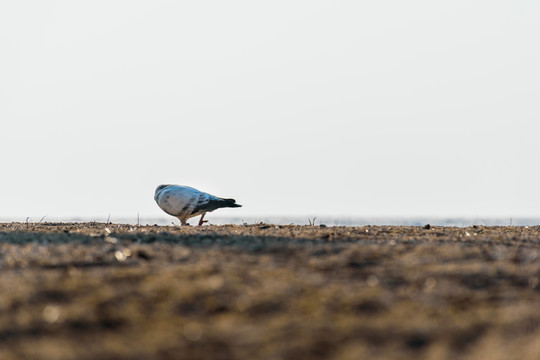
(202, 221)
(183, 222)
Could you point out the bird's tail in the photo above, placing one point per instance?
(230, 203)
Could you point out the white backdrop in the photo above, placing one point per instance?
(341, 108)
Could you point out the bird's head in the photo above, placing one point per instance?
(159, 189)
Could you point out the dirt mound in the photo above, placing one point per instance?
(109, 291)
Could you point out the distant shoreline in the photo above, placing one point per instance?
(292, 220)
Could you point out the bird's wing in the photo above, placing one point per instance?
(206, 203)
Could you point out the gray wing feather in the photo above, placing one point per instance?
(209, 203)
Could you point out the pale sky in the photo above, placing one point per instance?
(328, 108)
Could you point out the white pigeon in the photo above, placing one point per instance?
(185, 202)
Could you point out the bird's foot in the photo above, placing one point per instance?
(202, 221)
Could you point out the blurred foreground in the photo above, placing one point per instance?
(108, 291)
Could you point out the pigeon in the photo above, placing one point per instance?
(185, 202)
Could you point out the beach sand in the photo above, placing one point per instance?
(110, 291)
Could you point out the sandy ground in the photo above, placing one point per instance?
(109, 291)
